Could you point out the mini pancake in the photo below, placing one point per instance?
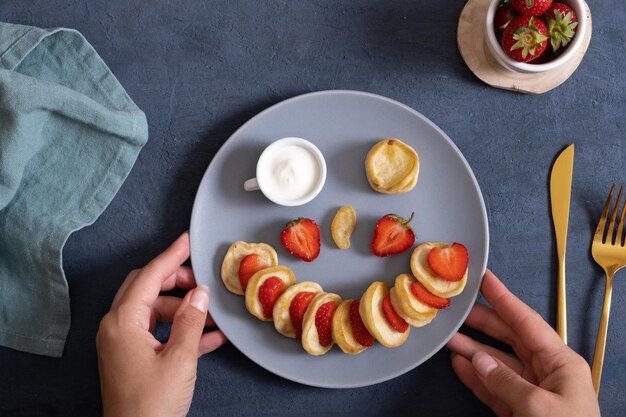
(425, 275)
(310, 338)
(282, 318)
(392, 167)
(371, 310)
(256, 281)
(412, 310)
(342, 330)
(236, 252)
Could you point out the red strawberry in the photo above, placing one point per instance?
(504, 15)
(269, 291)
(392, 235)
(360, 332)
(421, 293)
(531, 7)
(449, 263)
(248, 266)
(525, 38)
(562, 23)
(393, 317)
(297, 308)
(323, 317)
(301, 238)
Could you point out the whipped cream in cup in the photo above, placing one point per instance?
(290, 172)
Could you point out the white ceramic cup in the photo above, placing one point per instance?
(578, 6)
(290, 172)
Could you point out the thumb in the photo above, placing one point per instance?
(502, 382)
(189, 321)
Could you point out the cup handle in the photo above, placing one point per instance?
(251, 185)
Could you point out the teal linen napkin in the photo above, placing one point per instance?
(69, 136)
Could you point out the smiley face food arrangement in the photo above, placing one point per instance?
(319, 319)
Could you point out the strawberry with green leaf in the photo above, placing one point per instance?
(392, 235)
(525, 39)
(562, 23)
(301, 238)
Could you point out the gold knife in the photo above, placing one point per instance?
(560, 192)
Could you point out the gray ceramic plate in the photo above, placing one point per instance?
(344, 125)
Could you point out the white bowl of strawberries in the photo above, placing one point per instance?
(533, 36)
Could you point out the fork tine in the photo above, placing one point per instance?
(609, 233)
(619, 235)
(605, 212)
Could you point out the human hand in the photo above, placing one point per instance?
(543, 378)
(140, 376)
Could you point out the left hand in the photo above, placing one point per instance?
(140, 376)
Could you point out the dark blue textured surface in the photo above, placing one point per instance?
(199, 69)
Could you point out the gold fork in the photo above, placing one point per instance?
(610, 253)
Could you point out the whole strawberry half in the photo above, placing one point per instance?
(504, 14)
(301, 238)
(531, 7)
(562, 23)
(525, 39)
(392, 235)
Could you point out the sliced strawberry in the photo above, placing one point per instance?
(449, 263)
(297, 308)
(248, 266)
(323, 317)
(421, 293)
(269, 291)
(360, 332)
(392, 235)
(393, 317)
(301, 238)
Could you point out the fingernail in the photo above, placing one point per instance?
(452, 355)
(484, 363)
(200, 298)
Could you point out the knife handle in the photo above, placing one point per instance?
(561, 310)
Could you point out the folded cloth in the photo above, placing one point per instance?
(69, 136)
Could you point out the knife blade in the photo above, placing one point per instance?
(560, 193)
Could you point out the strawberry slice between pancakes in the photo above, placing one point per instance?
(250, 265)
(421, 293)
(360, 332)
(297, 308)
(323, 318)
(269, 292)
(397, 322)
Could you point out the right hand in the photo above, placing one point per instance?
(545, 378)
